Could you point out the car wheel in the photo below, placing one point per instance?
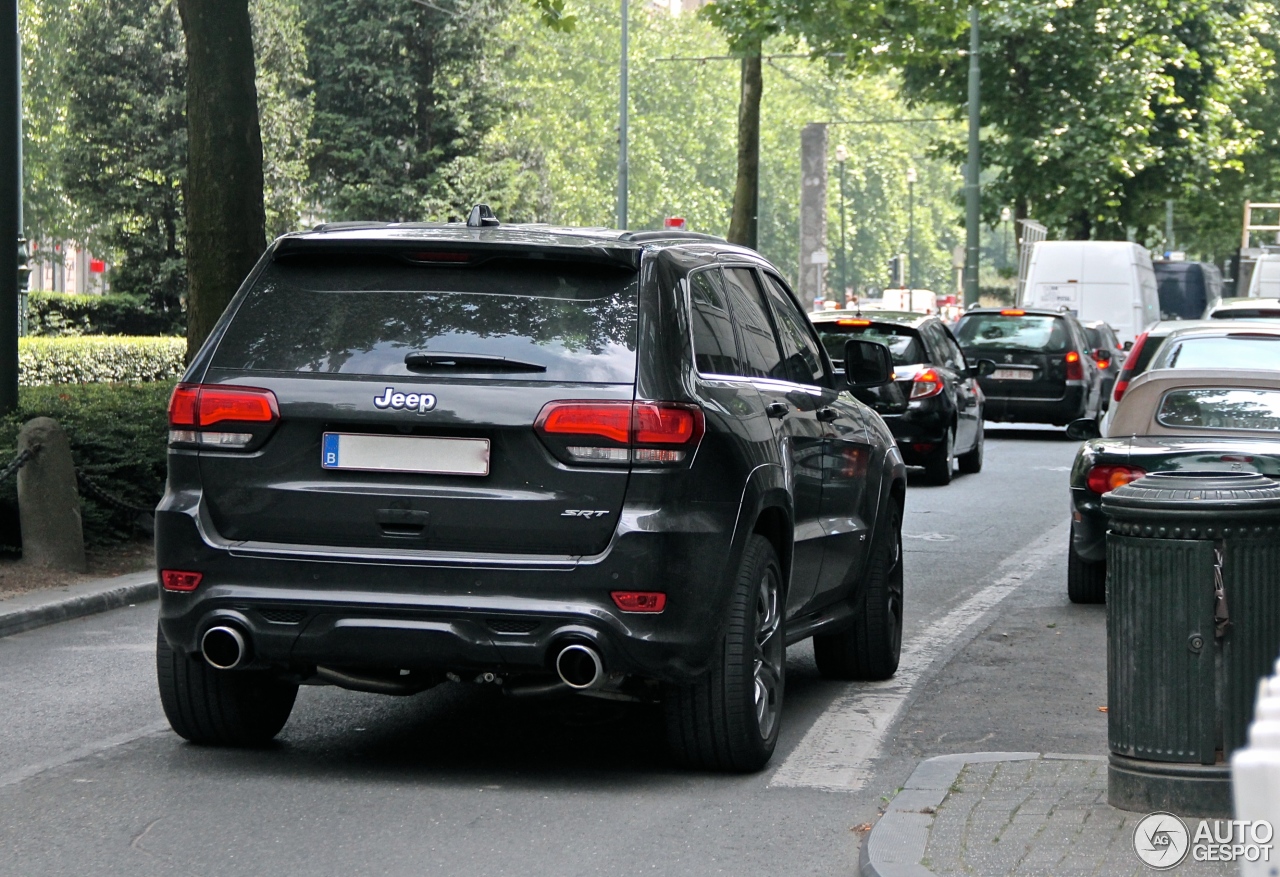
(1086, 579)
(940, 464)
(971, 462)
(869, 649)
(220, 707)
(729, 719)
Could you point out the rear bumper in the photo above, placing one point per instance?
(926, 424)
(469, 613)
(1023, 409)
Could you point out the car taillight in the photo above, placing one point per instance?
(649, 433)
(180, 580)
(1075, 368)
(927, 383)
(639, 601)
(194, 407)
(1104, 479)
(1130, 363)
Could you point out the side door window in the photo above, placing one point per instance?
(715, 347)
(954, 355)
(759, 351)
(802, 357)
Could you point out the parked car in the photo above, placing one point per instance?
(1264, 282)
(1222, 345)
(1245, 309)
(1107, 352)
(1112, 281)
(553, 460)
(934, 405)
(1044, 372)
(1195, 419)
(1187, 290)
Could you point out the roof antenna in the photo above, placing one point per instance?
(482, 217)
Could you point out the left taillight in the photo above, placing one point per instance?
(243, 414)
(927, 383)
(621, 433)
(1075, 368)
(1106, 478)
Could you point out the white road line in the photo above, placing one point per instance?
(30, 770)
(835, 752)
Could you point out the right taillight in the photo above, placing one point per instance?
(1104, 479)
(1126, 372)
(927, 383)
(1075, 368)
(620, 433)
(195, 407)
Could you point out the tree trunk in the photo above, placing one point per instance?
(226, 224)
(743, 224)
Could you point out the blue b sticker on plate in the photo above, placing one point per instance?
(329, 453)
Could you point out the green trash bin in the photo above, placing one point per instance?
(1193, 621)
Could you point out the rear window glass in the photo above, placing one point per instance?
(905, 346)
(363, 314)
(1228, 351)
(1009, 332)
(1206, 408)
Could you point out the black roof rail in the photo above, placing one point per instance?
(649, 237)
(355, 223)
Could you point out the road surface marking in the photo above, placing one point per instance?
(835, 753)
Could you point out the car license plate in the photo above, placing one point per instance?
(1014, 374)
(427, 455)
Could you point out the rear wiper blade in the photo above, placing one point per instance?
(470, 361)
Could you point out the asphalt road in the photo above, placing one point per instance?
(460, 781)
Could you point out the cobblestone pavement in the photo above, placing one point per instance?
(1047, 816)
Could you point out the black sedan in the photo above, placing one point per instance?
(934, 405)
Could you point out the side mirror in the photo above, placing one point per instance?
(1128, 345)
(866, 364)
(1083, 429)
(982, 368)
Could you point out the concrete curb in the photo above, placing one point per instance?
(38, 608)
(897, 843)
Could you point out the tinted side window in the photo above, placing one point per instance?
(953, 355)
(759, 352)
(801, 358)
(715, 349)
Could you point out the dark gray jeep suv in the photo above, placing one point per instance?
(553, 460)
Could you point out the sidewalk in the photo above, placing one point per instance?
(49, 606)
(1019, 814)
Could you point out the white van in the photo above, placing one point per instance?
(1265, 280)
(1112, 281)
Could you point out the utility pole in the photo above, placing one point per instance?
(911, 228)
(622, 127)
(973, 183)
(10, 205)
(1169, 243)
(842, 155)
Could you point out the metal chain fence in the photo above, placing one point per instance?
(144, 516)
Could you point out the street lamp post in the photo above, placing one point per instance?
(1005, 215)
(911, 228)
(842, 155)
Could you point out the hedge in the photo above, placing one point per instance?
(118, 435)
(87, 359)
(51, 314)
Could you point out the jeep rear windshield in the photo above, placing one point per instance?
(363, 314)
(1013, 332)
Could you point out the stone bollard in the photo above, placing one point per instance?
(48, 502)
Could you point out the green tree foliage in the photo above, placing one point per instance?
(1097, 110)
(402, 89)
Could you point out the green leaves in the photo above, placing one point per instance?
(89, 359)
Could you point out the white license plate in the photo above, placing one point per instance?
(426, 455)
(1014, 374)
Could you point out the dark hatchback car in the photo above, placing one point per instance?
(934, 405)
(1107, 352)
(551, 460)
(1045, 372)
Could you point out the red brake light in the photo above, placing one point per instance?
(1075, 368)
(593, 431)
(607, 420)
(1013, 312)
(183, 404)
(241, 404)
(1130, 363)
(1104, 479)
(926, 384)
(180, 580)
(639, 601)
(853, 322)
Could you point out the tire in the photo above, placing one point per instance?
(220, 707)
(869, 649)
(728, 719)
(971, 462)
(940, 464)
(1086, 579)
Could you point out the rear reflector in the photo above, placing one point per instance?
(180, 580)
(639, 601)
(1104, 479)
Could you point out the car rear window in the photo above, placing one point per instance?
(1224, 351)
(362, 314)
(1213, 408)
(1013, 332)
(905, 346)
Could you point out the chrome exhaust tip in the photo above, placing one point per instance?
(224, 648)
(579, 667)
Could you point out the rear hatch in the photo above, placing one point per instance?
(905, 348)
(1031, 353)
(408, 384)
